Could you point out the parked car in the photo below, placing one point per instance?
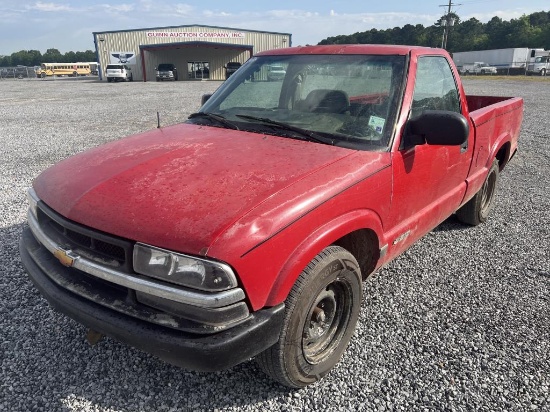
(275, 72)
(248, 230)
(118, 72)
(166, 71)
(231, 68)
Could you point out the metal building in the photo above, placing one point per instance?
(198, 52)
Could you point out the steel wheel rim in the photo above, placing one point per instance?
(326, 322)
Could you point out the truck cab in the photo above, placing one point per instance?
(541, 66)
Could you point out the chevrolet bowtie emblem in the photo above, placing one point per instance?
(64, 256)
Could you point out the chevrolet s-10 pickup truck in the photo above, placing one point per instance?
(248, 230)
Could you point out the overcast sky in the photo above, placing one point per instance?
(68, 25)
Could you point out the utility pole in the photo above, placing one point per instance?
(447, 23)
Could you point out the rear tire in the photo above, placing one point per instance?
(477, 209)
(320, 317)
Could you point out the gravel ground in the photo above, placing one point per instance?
(459, 322)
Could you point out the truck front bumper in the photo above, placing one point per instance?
(201, 352)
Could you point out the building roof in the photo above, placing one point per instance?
(188, 26)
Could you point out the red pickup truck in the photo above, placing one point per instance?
(248, 230)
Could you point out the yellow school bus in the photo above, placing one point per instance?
(63, 69)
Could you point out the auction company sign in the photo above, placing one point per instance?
(197, 34)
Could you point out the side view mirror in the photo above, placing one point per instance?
(437, 127)
(205, 98)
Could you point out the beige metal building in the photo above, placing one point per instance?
(198, 52)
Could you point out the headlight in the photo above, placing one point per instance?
(33, 201)
(183, 270)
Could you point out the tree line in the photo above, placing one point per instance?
(34, 57)
(531, 31)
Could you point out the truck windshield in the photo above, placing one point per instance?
(345, 100)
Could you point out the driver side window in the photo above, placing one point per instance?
(435, 87)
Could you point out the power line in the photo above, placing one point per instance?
(451, 4)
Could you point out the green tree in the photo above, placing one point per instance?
(26, 58)
(527, 31)
(469, 35)
(522, 33)
(5, 61)
(52, 56)
(86, 56)
(70, 57)
(540, 18)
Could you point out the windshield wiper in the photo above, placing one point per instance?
(306, 134)
(217, 117)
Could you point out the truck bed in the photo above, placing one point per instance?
(496, 120)
(480, 102)
(503, 113)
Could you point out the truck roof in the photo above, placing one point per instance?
(382, 49)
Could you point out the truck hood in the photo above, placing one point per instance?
(181, 187)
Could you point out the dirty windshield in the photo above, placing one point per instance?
(343, 100)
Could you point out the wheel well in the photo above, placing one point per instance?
(363, 244)
(503, 155)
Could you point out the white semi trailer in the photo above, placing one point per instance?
(507, 61)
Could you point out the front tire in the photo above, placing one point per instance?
(543, 72)
(320, 317)
(477, 209)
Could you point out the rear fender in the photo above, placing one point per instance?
(502, 142)
(322, 237)
(500, 150)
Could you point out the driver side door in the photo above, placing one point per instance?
(429, 180)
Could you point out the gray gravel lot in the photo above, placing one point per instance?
(459, 322)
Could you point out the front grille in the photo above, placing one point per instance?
(102, 272)
(102, 248)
